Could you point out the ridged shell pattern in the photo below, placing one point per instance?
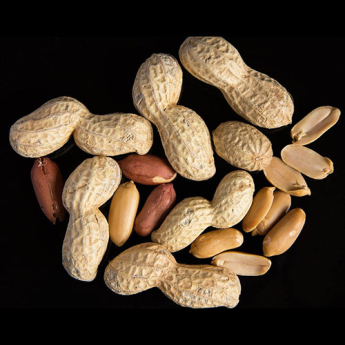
(148, 265)
(89, 186)
(255, 96)
(185, 137)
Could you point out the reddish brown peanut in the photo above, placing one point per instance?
(315, 124)
(147, 169)
(262, 202)
(283, 235)
(48, 184)
(307, 161)
(280, 206)
(243, 264)
(122, 212)
(150, 265)
(286, 178)
(215, 241)
(156, 207)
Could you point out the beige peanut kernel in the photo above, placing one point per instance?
(307, 161)
(49, 127)
(88, 187)
(242, 145)
(243, 264)
(184, 135)
(286, 178)
(122, 212)
(157, 205)
(284, 234)
(255, 96)
(47, 181)
(191, 216)
(150, 265)
(314, 124)
(147, 169)
(216, 241)
(262, 202)
(280, 206)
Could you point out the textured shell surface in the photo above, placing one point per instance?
(149, 265)
(253, 95)
(242, 145)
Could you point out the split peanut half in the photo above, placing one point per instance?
(262, 202)
(283, 235)
(243, 264)
(313, 125)
(307, 161)
(286, 178)
(280, 206)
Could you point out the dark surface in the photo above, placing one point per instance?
(99, 72)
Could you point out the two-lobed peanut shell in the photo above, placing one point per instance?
(48, 185)
(122, 212)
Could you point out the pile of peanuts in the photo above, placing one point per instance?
(164, 225)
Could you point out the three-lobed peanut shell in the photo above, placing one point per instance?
(283, 235)
(157, 205)
(147, 169)
(242, 145)
(215, 241)
(47, 181)
(314, 125)
(243, 264)
(122, 212)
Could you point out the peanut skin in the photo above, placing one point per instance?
(48, 184)
(156, 207)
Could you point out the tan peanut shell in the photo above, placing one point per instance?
(88, 187)
(314, 124)
(151, 265)
(122, 212)
(255, 96)
(185, 137)
(147, 169)
(49, 127)
(157, 205)
(262, 202)
(215, 241)
(243, 264)
(280, 206)
(242, 145)
(48, 183)
(190, 217)
(286, 178)
(284, 234)
(307, 161)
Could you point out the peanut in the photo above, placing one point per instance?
(314, 124)
(122, 212)
(50, 126)
(284, 234)
(280, 206)
(149, 265)
(88, 187)
(262, 202)
(243, 264)
(147, 169)
(157, 205)
(255, 96)
(242, 145)
(307, 161)
(48, 184)
(185, 137)
(190, 217)
(216, 241)
(286, 178)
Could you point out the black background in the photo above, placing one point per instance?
(99, 72)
